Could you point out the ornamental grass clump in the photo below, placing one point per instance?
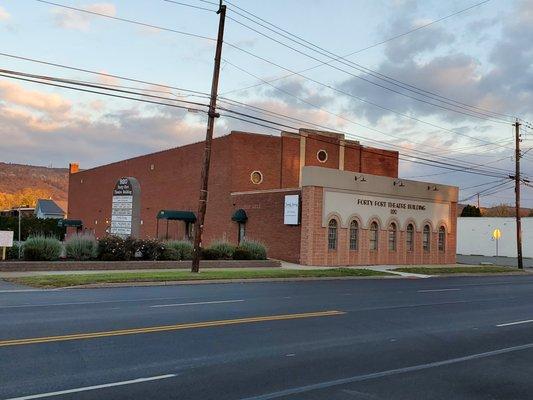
(219, 250)
(250, 250)
(81, 247)
(183, 248)
(42, 248)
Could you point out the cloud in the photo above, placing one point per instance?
(72, 19)
(4, 15)
(35, 100)
(501, 81)
(291, 90)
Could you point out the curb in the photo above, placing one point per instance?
(215, 281)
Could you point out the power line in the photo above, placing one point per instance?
(415, 159)
(34, 60)
(470, 113)
(340, 116)
(190, 5)
(425, 161)
(91, 85)
(481, 184)
(278, 115)
(356, 66)
(131, 21)
(102, 93)
(365, 48)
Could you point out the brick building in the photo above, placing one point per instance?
(314, 198)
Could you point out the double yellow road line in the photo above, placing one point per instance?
(163, 328)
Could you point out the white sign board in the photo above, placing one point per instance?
(291, 214)
(6, 238)
(347, 205)
(125, 208)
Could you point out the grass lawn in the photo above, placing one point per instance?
(486, 269)
(120, 277)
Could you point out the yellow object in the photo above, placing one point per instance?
(152, 329)
(496, 234)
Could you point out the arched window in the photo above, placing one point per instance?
(374, 236)
(392, 236)
(332, 234)
(442, 238)
(410, 237)
(426, 237)
(354, 235)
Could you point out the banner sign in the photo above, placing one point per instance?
(126, 208)
(291, 214)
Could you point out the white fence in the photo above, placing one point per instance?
(474, 236)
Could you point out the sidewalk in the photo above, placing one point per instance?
(380, 268)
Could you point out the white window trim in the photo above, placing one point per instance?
(319, 160)
(252, 179)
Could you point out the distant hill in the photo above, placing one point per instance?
(23, 184)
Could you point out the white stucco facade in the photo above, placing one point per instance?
(474, 236)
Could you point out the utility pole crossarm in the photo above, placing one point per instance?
(212, 114)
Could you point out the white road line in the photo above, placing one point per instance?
(390, 372)
(196, 304)
(515, 323)
(87, 388)
(75, 303)
(28, 290)
(437, 290)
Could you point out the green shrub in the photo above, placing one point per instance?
(252, 249)
(221, 250)
(81, 246)
(183, 248)
(42, 248)
(242, 254)
(12, 253)
(209, 254)
(150, 249)
(113, 248)
(170, 254)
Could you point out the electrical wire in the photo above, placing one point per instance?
(360, 68)
(344, 118)
(6, 73)
(131, 21)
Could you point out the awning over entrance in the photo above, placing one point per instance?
(177, 215)
(64, 223)
(239, 216)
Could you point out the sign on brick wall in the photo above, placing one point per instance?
(291, 215)
(126, 208)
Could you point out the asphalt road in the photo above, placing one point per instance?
(437, 338)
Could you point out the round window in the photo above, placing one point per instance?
(322, 155)
(256, 177)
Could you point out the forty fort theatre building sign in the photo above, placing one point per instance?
(126, 208)
(313, 198)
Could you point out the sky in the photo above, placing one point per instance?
(481, 57)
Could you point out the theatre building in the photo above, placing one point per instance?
(313, 198)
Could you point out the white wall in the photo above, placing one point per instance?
(474, 236)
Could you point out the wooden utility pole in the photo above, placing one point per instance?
(517, 196)
(212, 114)
(478, 205)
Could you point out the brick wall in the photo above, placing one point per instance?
(265, 223)
(314, 240)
